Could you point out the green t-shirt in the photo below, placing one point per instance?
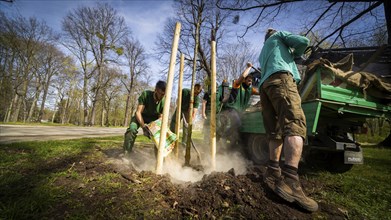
(242, 97)
(152, 108)
(186, 93)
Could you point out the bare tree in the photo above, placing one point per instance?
(233, 59)
(211, 26)
(93, 33)
(54, 63)
(22, 40)
(136, 62)
(111, 90)
(66, 85)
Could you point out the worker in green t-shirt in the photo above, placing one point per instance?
(230, 117)
(185, 107)
(150, 108)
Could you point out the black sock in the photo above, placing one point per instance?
(290, 169)
(273, 164)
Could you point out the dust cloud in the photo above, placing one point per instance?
(143, 159)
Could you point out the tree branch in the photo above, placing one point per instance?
(340, 29)
(319, 18)
(257, 6)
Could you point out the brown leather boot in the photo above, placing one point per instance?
(289, 188)
(271, 177)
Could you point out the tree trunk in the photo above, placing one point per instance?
(127, 105)
(85, 101)
(64, 111)
(55, 110)
(42, 108)
(15, 114)
(103, 114)
(11, 106)
(45, 94)
(102, 117)
(34, 103)
(98, 95)
(107, 119)
(54, 114)
(93, 112)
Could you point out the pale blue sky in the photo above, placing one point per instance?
(145, 17)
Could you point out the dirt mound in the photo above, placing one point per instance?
(145, 195)
(227, 196)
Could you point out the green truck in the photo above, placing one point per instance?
(335, 111)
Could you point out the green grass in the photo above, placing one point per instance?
(375, 139)
(39, 178)
(365, 189)
(28, 169)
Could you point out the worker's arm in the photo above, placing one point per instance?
(243, 75)
(204, 108)
(139, 116)
(194, 113)
(140, 119)
(296, 42)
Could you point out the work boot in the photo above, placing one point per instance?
(289, 188)
(271, 176)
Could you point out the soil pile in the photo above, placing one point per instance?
(226, 195)
(132, 194)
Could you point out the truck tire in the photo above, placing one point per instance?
(337, 163)
(258, 149)
(330, 161)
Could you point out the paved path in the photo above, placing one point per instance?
(18, 133)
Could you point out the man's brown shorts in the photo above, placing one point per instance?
(281, 107)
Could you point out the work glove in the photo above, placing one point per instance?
(147, 132)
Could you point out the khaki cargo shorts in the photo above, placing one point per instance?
(281, 107)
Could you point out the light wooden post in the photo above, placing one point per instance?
(170, 79)
(213, 107)
(179, 104)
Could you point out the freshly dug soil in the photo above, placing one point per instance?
(144, 195)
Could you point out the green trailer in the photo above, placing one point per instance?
(335, 111)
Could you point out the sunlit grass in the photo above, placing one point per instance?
(36, 177)
(365, 189)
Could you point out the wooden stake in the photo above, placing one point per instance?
(179, 104)
(170, 79)
(213, 107)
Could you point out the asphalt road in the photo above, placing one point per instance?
(19, 133)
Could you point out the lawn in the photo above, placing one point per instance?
(44, 180)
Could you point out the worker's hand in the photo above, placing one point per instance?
(147, 132)
(204, 116)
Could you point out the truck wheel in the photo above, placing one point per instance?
(337, 163)
(331, 161)
(258, 149)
